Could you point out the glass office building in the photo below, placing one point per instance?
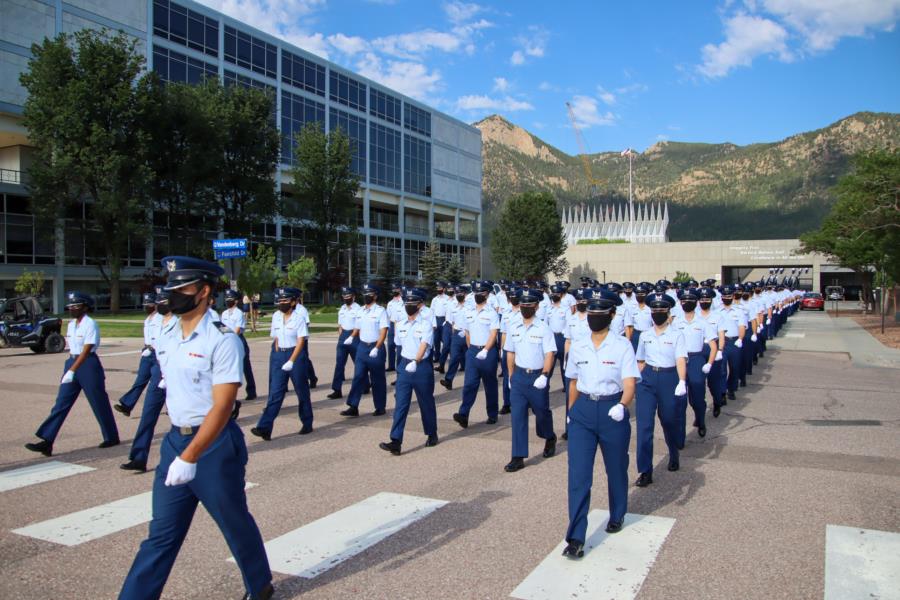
(420, 170)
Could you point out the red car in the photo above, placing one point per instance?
(812, 301)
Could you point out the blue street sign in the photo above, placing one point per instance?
(224, 249)
(223, 254)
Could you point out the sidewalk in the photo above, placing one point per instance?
(818, 332)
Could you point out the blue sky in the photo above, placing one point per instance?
(741, 71)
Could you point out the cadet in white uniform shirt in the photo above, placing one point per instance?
(456, 315)
(347, 342)
(203, 458)
(556, 317)
(735, 322)
(148, 357)
(235, 319)
(701, 341)
(508, 321)
(439, 306)
(394, 310)
(481, 326)
(372, 330)
(640, 314)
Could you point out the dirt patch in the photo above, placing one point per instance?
(872, 324)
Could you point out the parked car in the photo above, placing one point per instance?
(835, 292)
(812, 301)
(26, 326)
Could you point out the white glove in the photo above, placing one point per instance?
(411, 366)
(374, 352)
(147, 352)
(541, 382)
(753, 338)
(481, 355)
(462, 334)
(739, 343)
(617, 412)
(706, 368)
(180, 472)
(349, 340)
(162, 384)
(287, 366)
(681, 388)
(768, 321)
(69, 377)
(718, 355)
(759, 329)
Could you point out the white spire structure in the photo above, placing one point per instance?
(611, 222)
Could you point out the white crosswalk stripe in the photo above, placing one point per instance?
(614, 566)
(861, 564)
(324, 544)
(39, 473)
(94, 523)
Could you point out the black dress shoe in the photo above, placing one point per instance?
(264, 594)
(731, 395)
(393, 383)
(121, 408)
(351, 411)
(313, 383)
(431, 441)
(702, 431)
(756, 361)
(724, 400)
(439, 369)
(262, 433)
(717, 410)
(680, 445)
(644, 480)
(565, 435)
(613, 527)
(108, 443)
(43, 446)
(367, 391)
(505, 410)
(334, 395)
(305, 430)
(550, 448)
(463, 420)
(574, 550)
(447, 384)
(379, 412)
(250, 397)
(491, 421)
(135, 465)
(516, 464)
(743, 384)
(673, 464)
(393, 447)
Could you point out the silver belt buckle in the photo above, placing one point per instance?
(594, 397)
(186, 430)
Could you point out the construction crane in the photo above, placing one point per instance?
(583, 150)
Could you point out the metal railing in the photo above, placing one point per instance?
(14, 177)
(416, 230)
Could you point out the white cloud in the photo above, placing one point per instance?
(458, 12)
(347, 44)
(662, 137)
(633, 88)
(532, 44)
(608, 97)
(500, 84)
(416, 43)
(517, 58)
(587, 113)
(822, 23)
(539, 125)
(546, 86)
(482, 103)
(408, 77)
(746, 37)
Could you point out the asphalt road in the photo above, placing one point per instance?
(812, 442)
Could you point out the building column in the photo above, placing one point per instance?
(456, 225)
(366, 227)
(59, 281)
(401, 221)
(430, 220)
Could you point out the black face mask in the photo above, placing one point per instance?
(555, 297)
(581, 307)
(395, 293)
(746, 296)
(599, 322)
(528, 311)
(182, 303)
(628, 293)
(411, 309)
(163, 309)
(514, 301)
(348, 301)
(480, 298)
(641, 298)
(230, 303)
(76, 312)
(705, 304)
(460, 297)
(150, 309)
(659, 318)
(285, 308)
(689, 305)
(727, 301)
(369, 298)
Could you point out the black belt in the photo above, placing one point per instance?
(185, 430)
(528, 371)
(662, 369)
(730, 339)
(477, 347)
(698, 353)
(598, 397)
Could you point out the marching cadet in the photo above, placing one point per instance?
(508, 321)
(715, 381)
(310, 369)
(83, 371)
(602, 373)
(414, 373)
(457, 316)
(394, 310)
(235, 319)
(621, 318)
(481, 326)
(204, 457)
(661, 357)
(701, 342)
(735, 323)
(748, 352)
(568, 300)
(439, 306)
(530, 347)
(640, 314)
(287, 360)
(371, 328)
(627, 297)
(576, 329)
(148, 357)
(156, 393)
(556, 318)
(347, 341)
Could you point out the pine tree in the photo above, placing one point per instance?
(431, 266)
(456, 271)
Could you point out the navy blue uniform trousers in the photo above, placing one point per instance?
(219, 485)
(656, 395)
(392, 353)
(480, 372)
(90, 378)
(458, 350)
(559, 358)
(342, 352)
(249, 380)
(131, 397)
(153, 404)
(696, 396)
(523, 395)
(438, 339)
(504, 376)
(422, 383)
(591, 426)
(446, 334)
(278, 381)
(635, 338)
(733, 360)
(368, 370)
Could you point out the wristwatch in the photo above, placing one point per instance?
(545, 374)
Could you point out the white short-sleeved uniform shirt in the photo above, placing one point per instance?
(470, 300)
(411, 334)
(81, 333)
(286, 329)
(600, 370)
(617, 325)
(530, 343)
(732, 318)
(166, 327)
(395, 310)
(640, 317)
(213, 314)
(481, 324)
(304, 314)
(568, 301)
(510, 321)
(697, 332)
(661, 349)
(426, 313)
(194, 365)
(370, 320)
(347, 316)
(556, 318)
(234, 318)
(577, 327)
(151, 328)
(439, 305)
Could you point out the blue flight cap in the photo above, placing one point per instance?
(369, 288)
(583, 294)
(74, 298)
(286, 293)
(347, 291)
(232, 295)
(644, 287)
(148, 298)
(482, 287)
(660, 301)
(414, 295)
(689, 294)
(603, 300)
(530, 296)
(558, 288)
(613, 287)
(185, 270)
(728, 290)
